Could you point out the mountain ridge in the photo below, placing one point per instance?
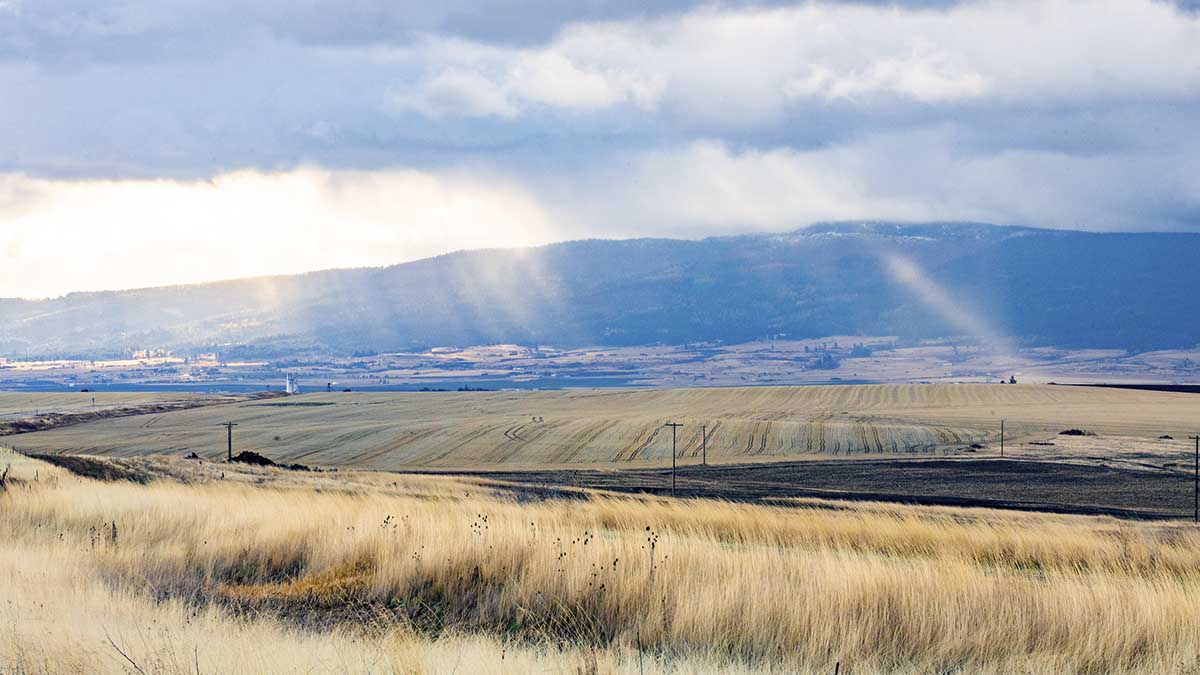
(1061, 287)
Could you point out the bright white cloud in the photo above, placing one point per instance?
(69, 235)
(927, 74)
(488, 82)
(552, 78)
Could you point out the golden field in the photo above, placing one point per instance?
(553, 428)
(212, 569)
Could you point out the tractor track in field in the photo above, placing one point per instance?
(756, 440)
(711, 432)
(875, 438)
(513, 433)
(814, 441)
(644, 438)
(518, 442)
(470, 437)
(762, 441)
(579, 441)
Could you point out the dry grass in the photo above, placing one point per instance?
(396, 430)
(351, 572)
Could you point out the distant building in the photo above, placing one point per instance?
(292, 385)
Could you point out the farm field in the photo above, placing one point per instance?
(217, 568)
(21, 413)
(540, 429)
(1017, 484)
(21, 405)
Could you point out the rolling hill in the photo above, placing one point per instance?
(1065, 288)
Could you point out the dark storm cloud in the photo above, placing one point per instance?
(123, 29)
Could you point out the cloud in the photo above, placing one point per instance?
(708, 188)
(926, 74)
(528, 79)
(202, 87)
(457, 92)
(105, 30)
(69, 235)
(551, 78)
(603, 118)
(759, 67)
(65, 235)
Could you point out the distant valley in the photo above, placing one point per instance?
(832, 360)
(1009, 288)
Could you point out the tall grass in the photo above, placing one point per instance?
(699, 585)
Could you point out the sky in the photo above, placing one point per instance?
(151, 142)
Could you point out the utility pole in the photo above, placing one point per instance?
(1196, 481)
(1001, 438)
(229, 449)
(703, 445)
(674, 426)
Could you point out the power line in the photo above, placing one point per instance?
(229, 450)
(1196, 480)
(674, 426)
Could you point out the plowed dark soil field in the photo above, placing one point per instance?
(997, 483)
